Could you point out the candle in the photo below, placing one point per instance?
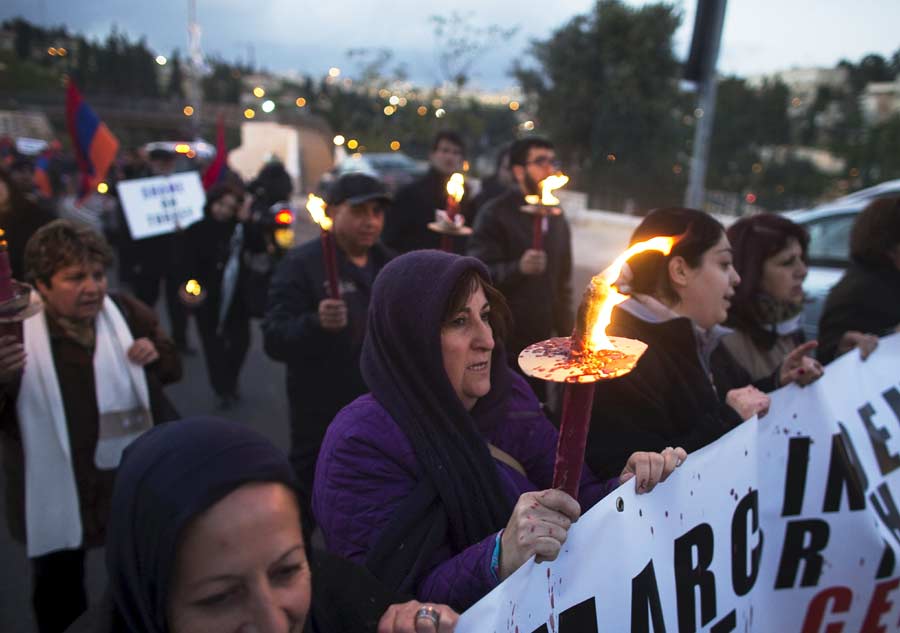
(316, 207)
(578, 400)
(537, 239)
(6, 285)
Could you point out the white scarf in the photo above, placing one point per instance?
(52, 514)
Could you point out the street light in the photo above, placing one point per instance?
(339, 140)
(301, 102)
(334, 72)
(188, 111)
(395, 145)
(352, 143)
(258, 92)
(161, 60)
(249, 113)
(268, 105)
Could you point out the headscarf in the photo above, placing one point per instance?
(169, 475)
(403, 367)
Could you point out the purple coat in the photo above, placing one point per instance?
(367, 467)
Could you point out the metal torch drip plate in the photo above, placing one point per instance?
(552, 360)
(448, 229)
(540, 209)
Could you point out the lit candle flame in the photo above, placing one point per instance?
(192, 287)
(316, 207)
(604, 296)
(455, 187)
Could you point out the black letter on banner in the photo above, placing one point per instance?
(726, 624)
(687, 577)
(795, 481)
(743, 579)
(644, 597)
(886, 566)
(796, 550)
(887, 511)
(887, 462)
(578, 618)
(840, 473)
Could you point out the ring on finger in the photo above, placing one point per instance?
(428, 612)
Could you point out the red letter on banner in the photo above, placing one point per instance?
(815, 614)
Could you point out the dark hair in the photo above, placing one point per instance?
(518, 151)
(219, 191)
(875, 232)
(697, 232)
(755, 239)
(451, 137)
(464, 287)
(17, 199)
(63, 243)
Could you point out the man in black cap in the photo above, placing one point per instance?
(320, 338)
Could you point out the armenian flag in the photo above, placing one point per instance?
(95, 146)
(42, 175)
(216, 170)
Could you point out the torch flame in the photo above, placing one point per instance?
(605, 296)
(192, 287)
(549, 185)
(455, 186)
(316, 207)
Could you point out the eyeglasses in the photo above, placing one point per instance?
(544, 161)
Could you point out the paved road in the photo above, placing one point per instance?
(263, 405)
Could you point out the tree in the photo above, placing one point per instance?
(605, 89)
(460, 43)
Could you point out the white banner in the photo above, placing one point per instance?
(786, 524)
(158, 205)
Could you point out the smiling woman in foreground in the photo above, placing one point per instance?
(438, 479)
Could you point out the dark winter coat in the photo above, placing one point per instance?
(406, 223)
(865, 300)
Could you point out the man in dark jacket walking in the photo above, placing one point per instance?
(407, 227)
(537, 283)
(320, 338)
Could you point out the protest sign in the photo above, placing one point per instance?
(158, 205)
(789, 523)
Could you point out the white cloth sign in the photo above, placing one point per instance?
(158, 205)
(789, 523)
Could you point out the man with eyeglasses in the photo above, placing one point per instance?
(537, 283)
(406, 226)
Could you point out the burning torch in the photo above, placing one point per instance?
(583, 359)
(316, 207)
(449, 222)
(543, 206)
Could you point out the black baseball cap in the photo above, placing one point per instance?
(357, 188)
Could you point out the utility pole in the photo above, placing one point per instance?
(195, 90)
(701, 67)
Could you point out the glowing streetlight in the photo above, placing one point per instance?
(259, 92)
(395, 145)
(161, 60)
(188, 111)
(528, 125)
(513, 105)
(249, 113)
(352, 143)
(268, 105)
(339, 140)
(440, 112)
(394, 100)
(334, 72)
(301, 102)
(102, 187)
(389, 110)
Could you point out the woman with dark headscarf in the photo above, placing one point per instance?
(205, 536)
(767, 341)
(686, 390)
(865, 303)
(438, 479)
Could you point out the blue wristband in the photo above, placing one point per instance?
(495, 557)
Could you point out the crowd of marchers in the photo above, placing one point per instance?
(421, 457)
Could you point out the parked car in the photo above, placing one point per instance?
(394, 169)
(829, 229)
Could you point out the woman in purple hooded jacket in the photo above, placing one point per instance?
(438, 480)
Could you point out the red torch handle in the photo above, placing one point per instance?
(578, 399)
(6, 288)
(330, 256)
(537, 242)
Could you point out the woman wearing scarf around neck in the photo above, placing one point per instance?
(205, 537)
(438, 479)
(686, 390)
(770, 255)
(82, 382)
